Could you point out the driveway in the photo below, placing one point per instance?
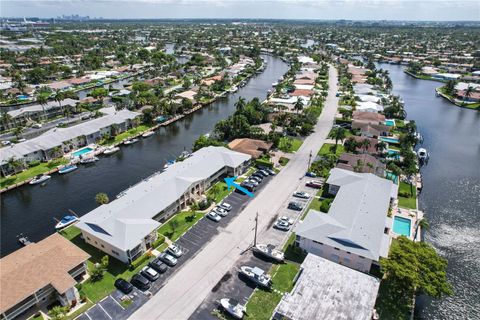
(188, 288)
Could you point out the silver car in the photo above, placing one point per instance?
(226, 206)
(175, 250)
(212, 215)
(221, 212)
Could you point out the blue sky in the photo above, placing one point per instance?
(276, 9)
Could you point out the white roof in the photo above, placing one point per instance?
(368, 98)
(369, 106)
(357, 217)
(305, 59)
(329, 291)
(128, 219)
(56, 136)
(39, 108)
(464, 86)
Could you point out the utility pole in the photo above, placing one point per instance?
(309, 160)
(255, 238)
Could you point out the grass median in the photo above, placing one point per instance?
(179, 223)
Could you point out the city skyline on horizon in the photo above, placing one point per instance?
(373, 10)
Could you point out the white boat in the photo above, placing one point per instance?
(88, 160)
(111, 150)
(148, 134)
(66, 221)
(39, 179)
(233, 307)
(233, 89)
(269, 251)
(168, 164)
(256, 275)
(422, 154)
(130, 141)
(274, 84)
(67, 169)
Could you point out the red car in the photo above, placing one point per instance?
(314, 184)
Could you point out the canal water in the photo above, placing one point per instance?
(451, 191)
(31, 209)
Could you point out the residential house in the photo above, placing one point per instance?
(355, 232)
(253, 147)
(126, 227)
(368, 117)
(363, 163)
(328, 291)
(39, 274)
(370, 130)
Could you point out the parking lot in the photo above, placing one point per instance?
(191, 243)
(234, 286)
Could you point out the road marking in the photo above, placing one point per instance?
(88, 316)
(104, 310)
(117, 302)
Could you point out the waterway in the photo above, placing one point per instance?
(451, 191)
(31, 209)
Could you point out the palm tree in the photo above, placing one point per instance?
(101, 198)
(6, 119)
(298, 105)
(350, 145)
(423, 223)
(381, 146)
(338, 133)
(43, 101)
(240, 104)
(468, 93)
(14, 164)
(58, 97)
(365, 144)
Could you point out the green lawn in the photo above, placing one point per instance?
(293, 253)
(218, 191)
(127, 134)
(283, 161)
(184, 220)
(287, 144)
(407, 199)
(391, 305)
(97, 290)
(327, 149)
(262, 303)
(31, 172)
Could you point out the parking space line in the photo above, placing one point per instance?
(86, 313)
(117, 302)
(100, 305)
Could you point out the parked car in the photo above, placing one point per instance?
(5, 143)
(168, 259)
(212, 215)
(282, 225)
(252, 181)
(314, 184)
(226, 206)
(158, 265)
(301, 194)
(140, 282)
(270, 171)
(250, 187)
(149, 273)
(257, 175)
(221, 212)
(311, 174)
(286, 219)
(123, 285)
(175, 250)
(295, 206)
(256, 178)
(263, 173)
(37, 125)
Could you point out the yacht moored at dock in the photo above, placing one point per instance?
(66, 221)
(148, 134)
(110, 150)
(67, 169)
(39, 179)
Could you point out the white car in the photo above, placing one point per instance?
(301, 194)
(6, 143)
(175, 250)
(226, 206)
(282, 225)
(287, 220)
(37, 125)
(212, 215)
(221, 212)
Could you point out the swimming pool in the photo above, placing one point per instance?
(78, 153)
(401, 226)
(390, 122)
(389, 140)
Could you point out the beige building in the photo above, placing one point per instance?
(40, 273)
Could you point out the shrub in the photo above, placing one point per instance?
(404, 194)
(283, 161)
(325, 206)
(263, 163)
(204, 204)
(160, 240)
(33, 163)
(136, 263)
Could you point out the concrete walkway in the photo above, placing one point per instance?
(187, 288)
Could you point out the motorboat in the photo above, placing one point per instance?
(148, 134)
(233, 89)
(256, 275)
(184, 155)
(110, 150)
(233, 307)
(39, 179)
(269, 251)
(23, 240)
(88, 160)
(130, 141)
(423, 154)
(67, 169)
(66, 221)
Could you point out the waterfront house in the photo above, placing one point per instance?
(368, 106)
(37, 112)
(371, 149)
(368, 117)
(39, 274)
(66, 139)
(253, 147)
(355, 232)
(370, 130)
(328, 291)
(363, 163)
(126, 227)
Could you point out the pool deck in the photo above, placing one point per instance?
(414, 216)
